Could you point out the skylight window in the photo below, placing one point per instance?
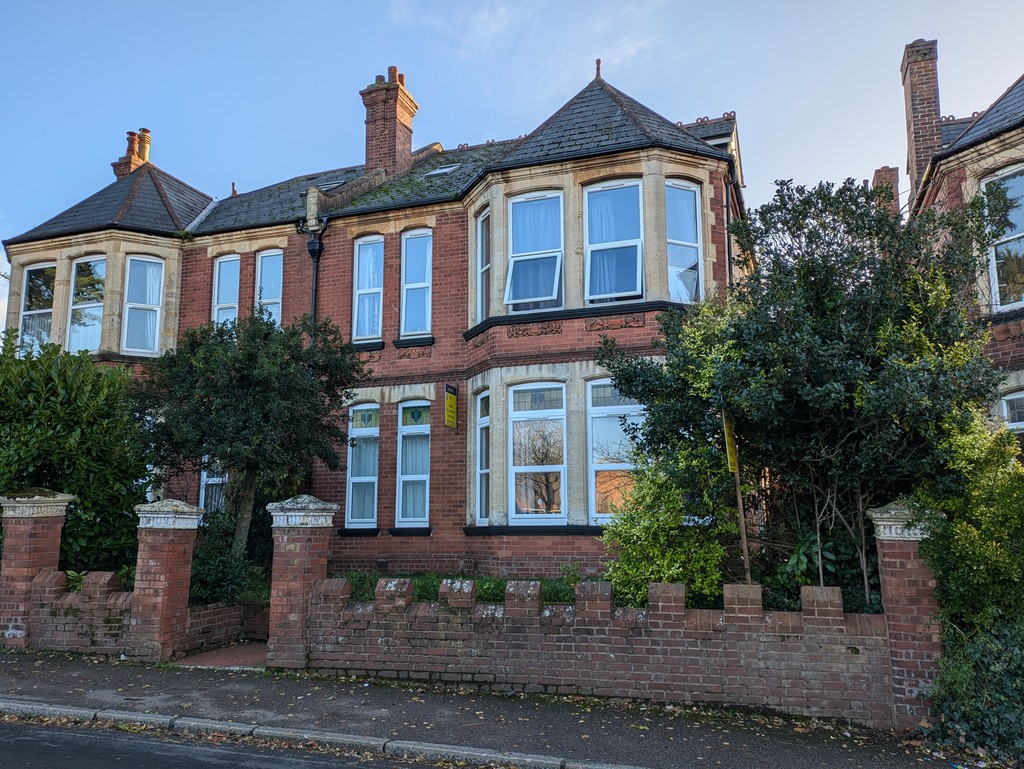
(442, 170)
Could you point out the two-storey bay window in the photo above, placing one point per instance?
(535, 252)
(270, 282)
(417, 246)
(37, 306)
(88, 279)
(363, 450)
(483, 458)
(225, 288)
(142, 306)
(483, 262)
(537, 448)
(369, 288)
(609, 447)
(614, 242)
(685, 263)
(413, 464)
(1006, 262)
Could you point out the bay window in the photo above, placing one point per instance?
(537, 450)
(614, 242)
(85, 323)
(225, 288)
(1006, 261)
(143, 302)
(269, 282)
(37, 306)
(416, 282)
(413, 501)
(535, 252)
(363, 451)
(685, 262)
(610, 449)
(369, 288)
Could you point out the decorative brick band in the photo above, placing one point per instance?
(892, 524)
(169, 514)
(41, 504)
(303, 511)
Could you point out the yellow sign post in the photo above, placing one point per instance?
(451, 406)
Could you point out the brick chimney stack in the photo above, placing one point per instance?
(921, 96)
(136, 155)
(891, 176)
(389, 113)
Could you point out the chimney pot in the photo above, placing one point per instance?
(133, 144)
(392, 74)
(401, 79)
(144, 141)
(379, 79)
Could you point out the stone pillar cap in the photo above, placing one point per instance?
(169, 514)
(892, 522)
(303, 511)
(35, 502)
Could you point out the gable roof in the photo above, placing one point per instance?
(147, 200)
(1006, 114)
(598, 120)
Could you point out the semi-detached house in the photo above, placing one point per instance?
(486, 274)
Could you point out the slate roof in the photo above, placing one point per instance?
(598, 120)
(1004, 115)
(714, 128)
(147, 200)
(952, 129)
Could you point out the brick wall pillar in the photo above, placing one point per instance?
(163, 575)
(911, 609)
(32, 526)
(302, 535)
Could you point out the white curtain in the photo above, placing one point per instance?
(613, 216)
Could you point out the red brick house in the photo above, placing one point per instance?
(476, 282)
(949, 161)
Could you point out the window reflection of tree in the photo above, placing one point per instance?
(538, 443)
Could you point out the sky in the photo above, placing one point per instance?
(256, 92)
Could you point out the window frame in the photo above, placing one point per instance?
(483, 271)
(215, 306)
(261, 301)
(993, 273)
(698, 244)
(536, 519)
(86, 305)
(483, 422)
(210, 475)
(594, 413)
(128, 305)
(1017, 427)
(424, 232)
(22, 312)
(555, 299)
(358, 292)
(354, 434)
(589, 248)
(404, 432)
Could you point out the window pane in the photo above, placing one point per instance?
(365, 418)
(485, 241)
(414, 500)
(35, 330)
(271, 273)
(613, 271)
(537, 442)
(89, 280)
(416, 415)
(85, 330)
(415, 455)
(141, 331)
(363, 458)
(1010, 271)
(612, 487)
(1015, 192)
(275, 311)
(226, 313)
(485, 406)
(537, 399)
(536, 226)
(144, 282)
(39, 289)
(368, 315)
(533, 279)
(1014, 410)
(416, 311)
(681, 214)
(683, 273)
(609, 443)
(417, 259)
(485, 497)
(364, 499)
(485, 448)
(607, 395)
(613, 215)
(213, 495)
(227, 282)
(538, 493)
(370, 265)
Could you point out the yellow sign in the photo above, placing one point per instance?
(730, 446)
(451, 406)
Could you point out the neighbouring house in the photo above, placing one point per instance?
(949, 161)
(476, 282)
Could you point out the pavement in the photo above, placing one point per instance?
(227, 692)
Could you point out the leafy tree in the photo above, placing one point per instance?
(256, 400)
(68, 426)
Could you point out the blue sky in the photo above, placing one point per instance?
(256, 92)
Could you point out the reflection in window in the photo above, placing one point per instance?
(37, 307)
(1007, 265)
(610, 448)
(537, 437)
(88, 279)
(682, 217)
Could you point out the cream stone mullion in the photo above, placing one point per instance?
(573, 258)
(654, 222)
(576, 465)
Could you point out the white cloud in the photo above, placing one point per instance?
(472, 33)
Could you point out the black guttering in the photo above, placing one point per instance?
(581, 312)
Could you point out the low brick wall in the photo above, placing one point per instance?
(94, 620)
(816, 662)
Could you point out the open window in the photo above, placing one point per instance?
(534, 279)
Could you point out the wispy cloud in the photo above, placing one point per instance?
(471, 32)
